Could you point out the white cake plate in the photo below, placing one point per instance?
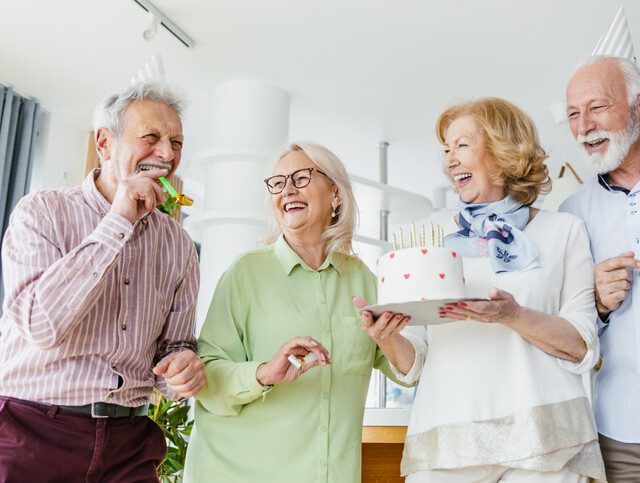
(422, 312)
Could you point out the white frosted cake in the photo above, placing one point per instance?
(420, 273)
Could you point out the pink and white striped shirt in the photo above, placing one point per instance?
(92, 302)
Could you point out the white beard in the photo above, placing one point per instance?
(619, 144)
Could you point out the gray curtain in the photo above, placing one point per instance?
(19, 118)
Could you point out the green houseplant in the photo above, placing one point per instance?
(173, 419)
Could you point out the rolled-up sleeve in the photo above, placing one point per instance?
(577, 302)
(417, 336)
(231, 377)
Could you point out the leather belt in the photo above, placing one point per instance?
(106, 410)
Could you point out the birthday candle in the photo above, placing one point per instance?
(401, 239)
(395, 245)
(432, 235)
(413, 235)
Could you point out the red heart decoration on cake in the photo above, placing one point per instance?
(463, 280)
(382, 280)
(441, 275)
(407, 275)
(391, 255)
(454, 254)
(424, 251)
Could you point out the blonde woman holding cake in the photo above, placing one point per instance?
(260, 418)
(500, 396)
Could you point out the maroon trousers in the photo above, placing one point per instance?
(40, 443)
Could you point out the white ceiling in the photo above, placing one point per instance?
(357, 71)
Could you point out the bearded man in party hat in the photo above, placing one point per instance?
(603, 107)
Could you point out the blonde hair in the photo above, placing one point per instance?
(338, 236)
(511, 141)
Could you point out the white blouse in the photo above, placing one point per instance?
(487, 396)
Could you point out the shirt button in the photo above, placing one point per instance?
(325, 395)
(324, 427)
(124, 326)
(322, 302)
(323, 463)
(121, 235)
(316, 275)
(126, 281)
(95, 274)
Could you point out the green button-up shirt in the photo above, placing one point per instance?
(306, 430)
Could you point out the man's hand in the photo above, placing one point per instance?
(279, 369)
(613, 281)
(183, 371)
(139, 194)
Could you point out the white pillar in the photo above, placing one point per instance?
(250, 124)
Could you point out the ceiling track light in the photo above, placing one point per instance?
(157, 17)
(152, 29)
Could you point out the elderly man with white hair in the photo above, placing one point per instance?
(100, 300)
(603, 106)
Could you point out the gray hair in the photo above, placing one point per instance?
(339, 235)
(629, 69)
(110, 112)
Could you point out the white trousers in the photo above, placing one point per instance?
(493, 474)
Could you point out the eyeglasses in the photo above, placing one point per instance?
(300, 179)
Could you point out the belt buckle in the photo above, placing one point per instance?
(94, 414)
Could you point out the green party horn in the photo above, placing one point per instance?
(181, 199)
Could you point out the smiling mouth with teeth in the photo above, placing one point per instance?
(596, 142)
(149, 167)
(461, 176)
(294, 206)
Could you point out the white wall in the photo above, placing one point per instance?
(60, 161)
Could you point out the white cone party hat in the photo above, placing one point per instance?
(616, 41)
(152, 69)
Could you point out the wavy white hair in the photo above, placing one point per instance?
(629, 69)
(339, 235)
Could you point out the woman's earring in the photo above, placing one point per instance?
(335, 212)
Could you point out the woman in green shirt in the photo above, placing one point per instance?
(260, 419)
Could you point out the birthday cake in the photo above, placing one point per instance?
(420, 273)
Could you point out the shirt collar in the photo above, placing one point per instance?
(92, 196)
(289, 259)
(604, 182)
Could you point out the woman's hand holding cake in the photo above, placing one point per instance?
(500, 307)
(385, 331)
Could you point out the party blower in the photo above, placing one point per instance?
(179, 198)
